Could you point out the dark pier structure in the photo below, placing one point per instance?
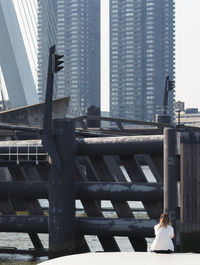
(64, 161)
(94, 169)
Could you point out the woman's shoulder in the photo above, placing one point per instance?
(169, 227)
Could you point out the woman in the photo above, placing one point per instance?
(164, 233)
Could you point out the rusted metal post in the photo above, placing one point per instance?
(62, 192)
(171, 171)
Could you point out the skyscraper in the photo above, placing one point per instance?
(141, 56)
(46, 38)
(74, 26)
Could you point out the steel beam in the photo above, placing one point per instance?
(24, 189)
(24, 224)
(125, 145)
(87, 226)
(115, 191)
(116, 226)
(119, 191)
(36, 241)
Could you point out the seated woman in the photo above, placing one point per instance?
(164, 233)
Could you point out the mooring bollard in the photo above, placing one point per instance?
(62, 192)
(171, 165)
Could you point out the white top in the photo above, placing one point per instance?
(163, 239)
(128, 258)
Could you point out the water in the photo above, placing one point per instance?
(22, 241)
(19, 260)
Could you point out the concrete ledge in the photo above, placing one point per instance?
(128, 258)
(33, 115)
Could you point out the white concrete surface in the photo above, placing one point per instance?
(127, 258)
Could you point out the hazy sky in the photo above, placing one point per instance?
(187, 53)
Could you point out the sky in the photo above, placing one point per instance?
(187, 53)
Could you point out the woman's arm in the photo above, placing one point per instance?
(172, 235)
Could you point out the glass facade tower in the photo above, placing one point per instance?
(141, 56)
(74, 26)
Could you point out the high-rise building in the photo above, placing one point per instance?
(74, 26)
(47, 25)
(141, 56)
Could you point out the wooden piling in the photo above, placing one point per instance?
(190, 191)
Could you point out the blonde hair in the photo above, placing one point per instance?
(164, 220)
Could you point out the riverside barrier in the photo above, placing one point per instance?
(96, 169)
